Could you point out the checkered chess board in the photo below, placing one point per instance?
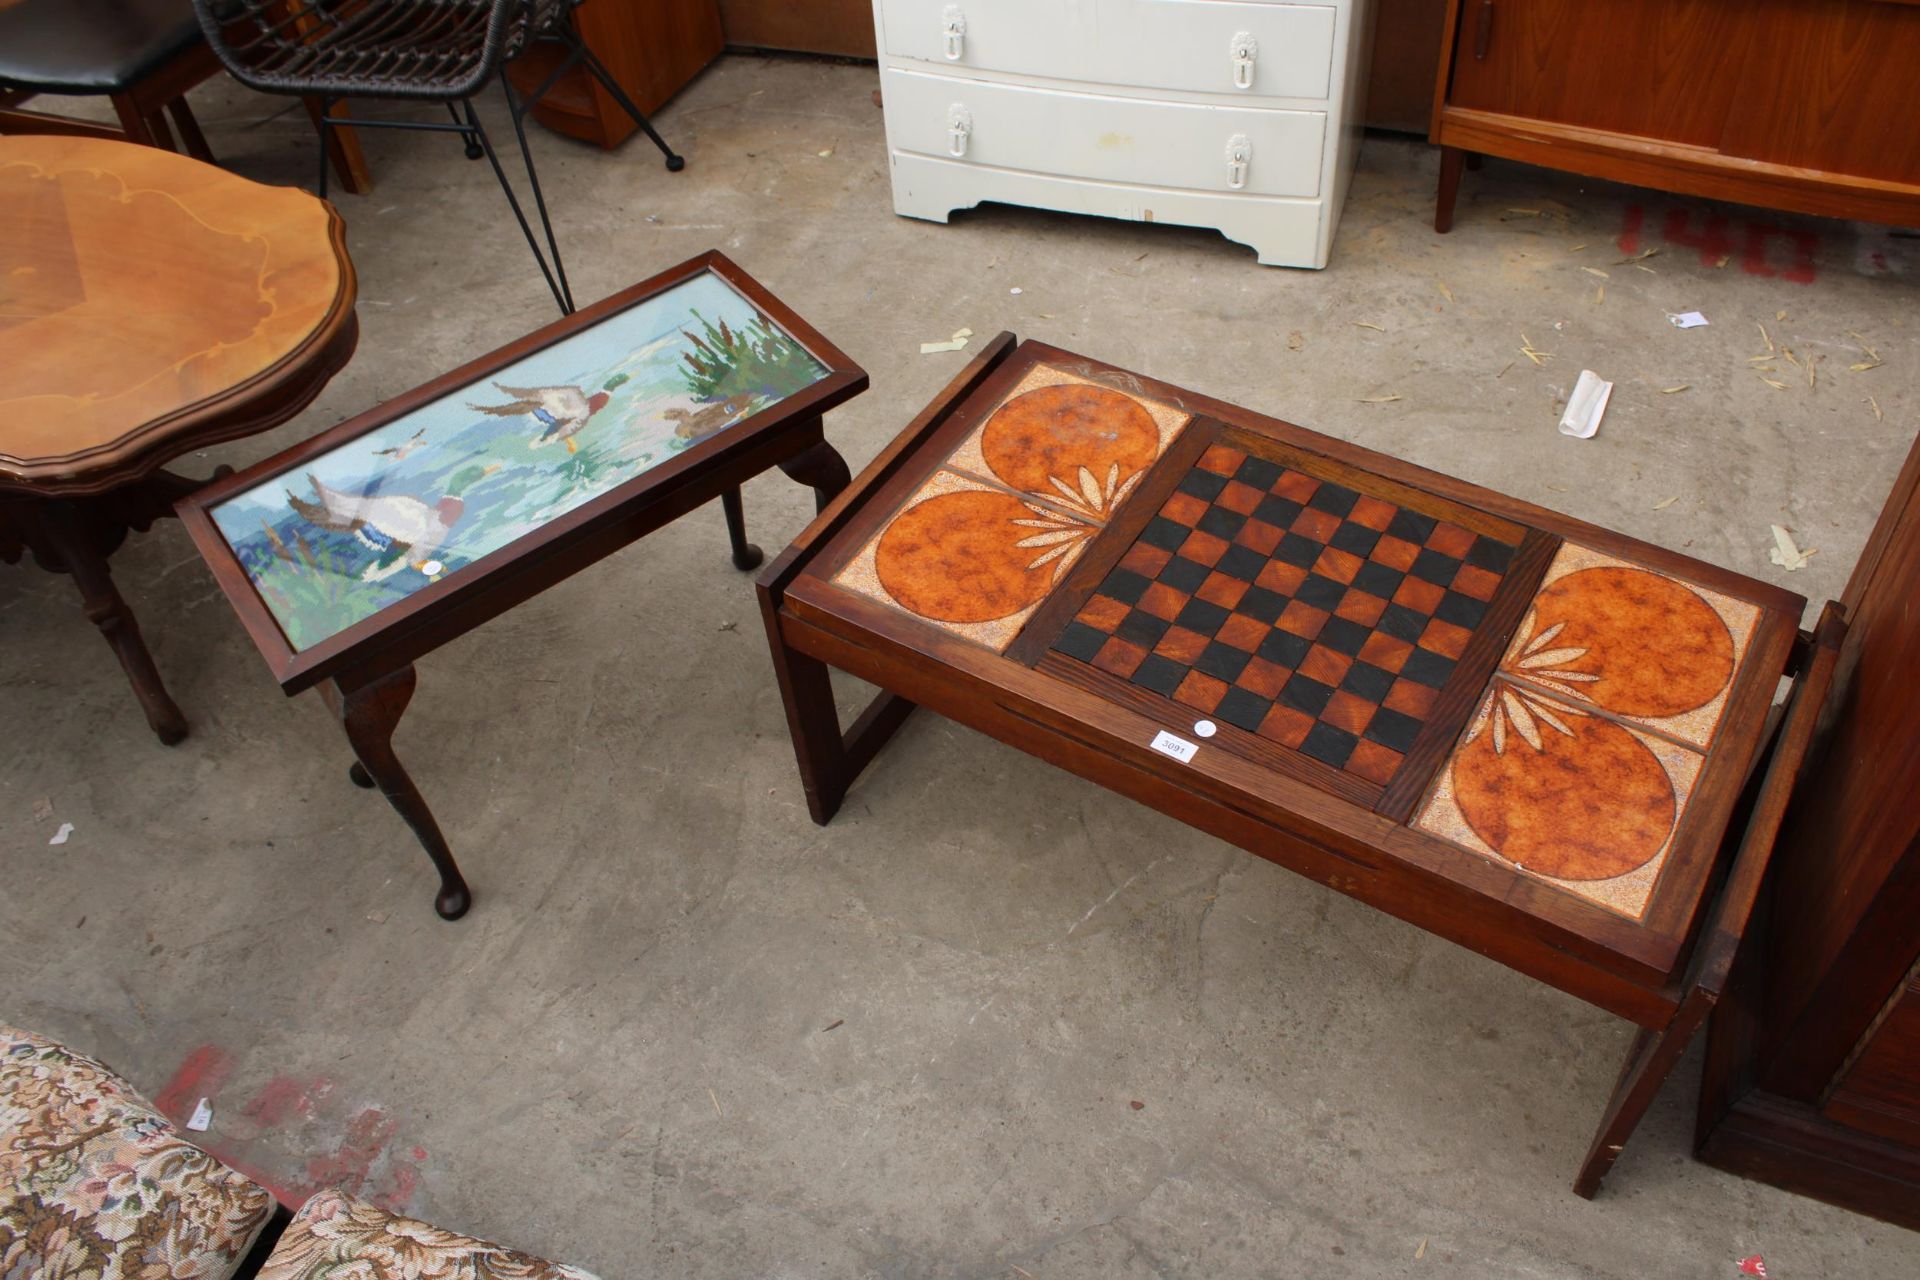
(1291, 607)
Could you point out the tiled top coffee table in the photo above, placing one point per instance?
(1516, 730)
(351, 555)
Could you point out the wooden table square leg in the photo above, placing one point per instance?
(66, 539)
(1452, 160)
(369, 713)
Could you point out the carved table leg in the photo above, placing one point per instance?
(72, 543)
(822, 469)
(745, 554)
(369, 713)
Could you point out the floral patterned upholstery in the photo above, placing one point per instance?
(336, 1237)
(96, 1185)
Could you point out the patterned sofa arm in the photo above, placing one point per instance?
(335, 1235)
(94, 1182)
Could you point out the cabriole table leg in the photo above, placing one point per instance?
(369, 713)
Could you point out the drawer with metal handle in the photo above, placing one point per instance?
(1260, 151)
(1190, 46)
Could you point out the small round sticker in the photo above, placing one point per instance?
(1203, 728)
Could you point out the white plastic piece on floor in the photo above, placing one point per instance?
(1687, 320)
(202, 1117)
(1785, 553)
(1585, 406)
(60, 836)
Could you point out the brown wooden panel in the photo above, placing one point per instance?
(652, 47)
(1664, 69)
(1406, 56)
(1879, 1091)
(1829, 84)
(843, 27)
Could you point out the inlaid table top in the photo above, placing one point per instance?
(1529, 719)
(150, 303)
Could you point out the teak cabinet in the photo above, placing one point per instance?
(1806, 105)
(1813, 1059)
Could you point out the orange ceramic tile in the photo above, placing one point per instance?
(1632, 643)
(1373, 513)
(1346, 710)
(1239, 497)
(1325, 665)
(1337, 564)
(1450, 540)
(1203, 548)
(1162, 601)
(1222, 459)
(1395, 553)
(1386, 652)
(1374, 762)
(1445, 639)
(1294, 485)
(1302, 620)
(1358, 606)
(1146, 559)
(1316, 524)
(1103, 612)
(1263, 677)
(1419, 594)
(1476, 582)
(1243, 633)
(1181, 644)
(1222, 589)
(1281, 577)
(1577, 800)
(1286, 726)
(1200, 691)
(1258, 535)
(1184, 509)
(1118, 657)
(1411, 699)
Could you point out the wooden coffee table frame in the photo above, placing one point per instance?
(1662, 974)
(365, 672)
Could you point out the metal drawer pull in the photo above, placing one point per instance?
(1483, 30)
(959, 129)
(953, 32)
(1239, 160)
(1244, 50)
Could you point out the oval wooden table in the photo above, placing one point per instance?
(149, 305)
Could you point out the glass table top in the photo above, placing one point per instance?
(338, 538)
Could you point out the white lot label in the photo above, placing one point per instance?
(1179, 748)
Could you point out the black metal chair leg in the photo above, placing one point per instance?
(326, 110)
(598, 70)
(517, 112)
(745, 554)
(473, 146)
(479, 130)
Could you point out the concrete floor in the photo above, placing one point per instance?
(686, 1033)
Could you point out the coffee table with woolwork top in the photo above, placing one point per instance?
(150, 305)
(1513, 729)
(351, 555)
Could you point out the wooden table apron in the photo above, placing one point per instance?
(1632, 969)
(365, 672)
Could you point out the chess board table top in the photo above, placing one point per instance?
(1510, 727)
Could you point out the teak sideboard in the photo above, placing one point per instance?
(1804, 105)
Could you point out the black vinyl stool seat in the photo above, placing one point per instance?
(94, 47)
(420, 50)
(143, 54)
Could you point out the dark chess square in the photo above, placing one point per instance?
(1318, 617)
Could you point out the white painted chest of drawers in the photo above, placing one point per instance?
(1242, 115)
